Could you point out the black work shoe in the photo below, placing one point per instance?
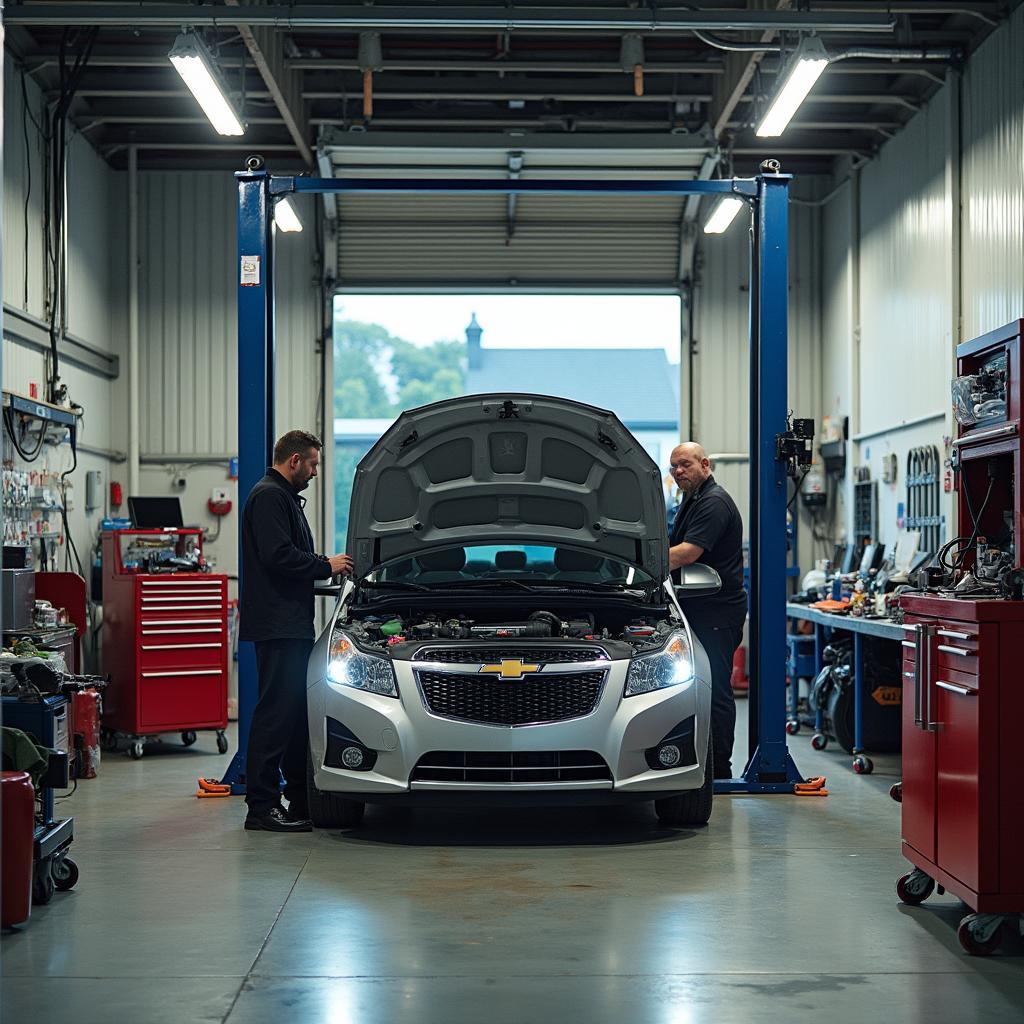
(296, 812)
(276, 820)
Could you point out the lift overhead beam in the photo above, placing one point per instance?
(468, 18)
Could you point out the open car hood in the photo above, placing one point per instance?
(508, 469)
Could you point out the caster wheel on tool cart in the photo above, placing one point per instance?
(973, 942)
(914, 888)
(42, 883)
(108, 740)
(819, 741)
(189, 737)
(896, 792)
(222, 743)
(65, 873)
(792, 727)
(863, 765)
(135, 750)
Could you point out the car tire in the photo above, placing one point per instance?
(329, 810)
(694, 807)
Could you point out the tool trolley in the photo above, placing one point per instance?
(165, 639)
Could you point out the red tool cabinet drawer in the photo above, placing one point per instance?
(204, 654)
(169, 697)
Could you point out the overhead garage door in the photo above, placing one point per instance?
(531, 241)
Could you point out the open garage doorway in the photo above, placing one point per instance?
(398, 351)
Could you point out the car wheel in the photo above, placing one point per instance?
(329, 810)
(694, 807)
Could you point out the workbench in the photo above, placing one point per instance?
(859, 627)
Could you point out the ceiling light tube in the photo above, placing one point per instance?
(285, 216)
(796, 81)
(198, 70)
(723, 214)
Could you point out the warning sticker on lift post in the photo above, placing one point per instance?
(250, 271)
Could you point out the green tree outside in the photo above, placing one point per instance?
(371, 365)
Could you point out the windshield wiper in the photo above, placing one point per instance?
(392, 584)
(477, 584)
(535, 584)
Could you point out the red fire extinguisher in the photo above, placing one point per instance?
(740, 681)
(86, 710)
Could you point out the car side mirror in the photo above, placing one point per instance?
(698, 580)
(329, 588)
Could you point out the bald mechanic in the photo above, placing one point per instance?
(708, 529)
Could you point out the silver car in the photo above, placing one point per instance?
(510, 632)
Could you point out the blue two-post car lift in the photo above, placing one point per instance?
(770, 768)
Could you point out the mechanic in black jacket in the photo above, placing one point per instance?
(708, 529)
(279, 567)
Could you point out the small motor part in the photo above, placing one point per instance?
(639, 629)
(391, 628)
(931, 577)
(512, 630)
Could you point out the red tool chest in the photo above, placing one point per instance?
(165, 643)
(962, 713)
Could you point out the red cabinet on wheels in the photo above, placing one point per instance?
(962, 826)
(165, 642)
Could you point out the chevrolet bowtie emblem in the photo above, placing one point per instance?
(510, 668)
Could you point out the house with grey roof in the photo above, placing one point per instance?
(639, 385)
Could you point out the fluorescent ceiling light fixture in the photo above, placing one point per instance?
(801, 73)
(723, 214)
(285, 216)
(198, 70)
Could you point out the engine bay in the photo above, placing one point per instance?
(407, 625)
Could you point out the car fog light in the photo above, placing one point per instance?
(669, 755)
(352, 757)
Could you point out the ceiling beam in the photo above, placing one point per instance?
(266, 47)
(739, 70)
(483, 19)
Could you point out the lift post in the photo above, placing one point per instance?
(770, 768)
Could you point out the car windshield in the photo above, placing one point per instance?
(524, 563)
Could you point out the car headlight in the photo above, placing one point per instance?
(349, 666)
(671, 666)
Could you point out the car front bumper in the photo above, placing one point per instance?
(401, 731)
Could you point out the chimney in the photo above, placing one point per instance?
(473, 334)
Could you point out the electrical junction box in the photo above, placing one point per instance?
(93, 490)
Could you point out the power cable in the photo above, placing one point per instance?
(13, 434)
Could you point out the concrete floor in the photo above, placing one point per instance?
(571, 915)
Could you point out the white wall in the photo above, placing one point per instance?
(937, 220)
(95, 245)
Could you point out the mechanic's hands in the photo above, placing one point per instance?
(340, 564)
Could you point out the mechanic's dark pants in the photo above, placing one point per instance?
(280, 731)
(720, 643)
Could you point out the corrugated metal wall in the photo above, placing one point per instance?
(466, 240)
(906, 254)
(721, 330)
(918, 263)
(188, 337)
(993, 182)
(187, 315)
(903, 319)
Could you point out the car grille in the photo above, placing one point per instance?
(491, 701)
(514, 766)
(537, 655)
